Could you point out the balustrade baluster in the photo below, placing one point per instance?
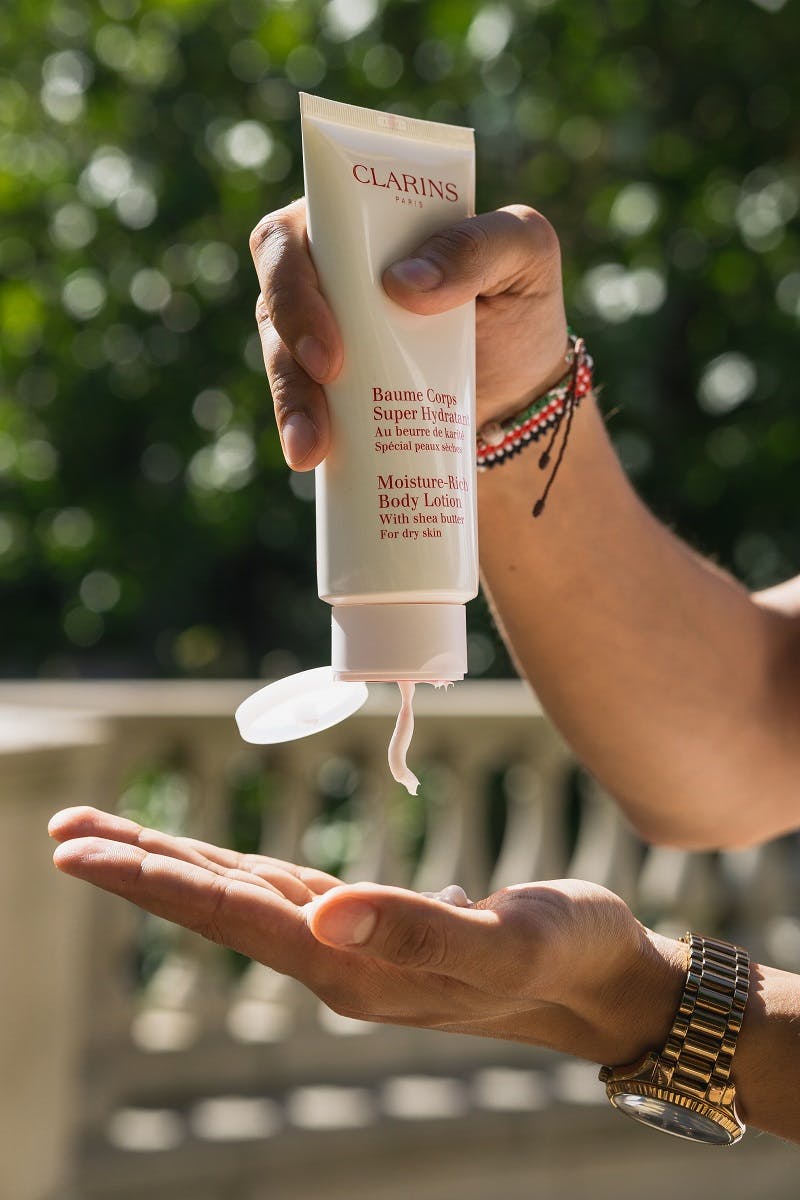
(186, 1001)
(680, 890)
(763, 890)
(381, 850)
(534, 844)
(48, 761)
(264, 1004)
(455, 844)
(606, 852)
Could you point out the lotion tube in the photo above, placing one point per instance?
(396, 496)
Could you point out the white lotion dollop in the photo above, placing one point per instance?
(453, 894)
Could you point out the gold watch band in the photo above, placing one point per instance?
(699, 1050)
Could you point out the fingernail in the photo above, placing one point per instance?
(313, 355)
(347, 924)
(299, 437)
(419, 274)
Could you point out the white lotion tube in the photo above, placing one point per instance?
(396, 496)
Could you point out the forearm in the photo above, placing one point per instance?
(766, 1066)
(658, 668)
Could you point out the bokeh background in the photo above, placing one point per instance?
(148, 526)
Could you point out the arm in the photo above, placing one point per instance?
(676, 688)
(562, 964)
(679, 690)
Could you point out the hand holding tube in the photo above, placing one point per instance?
(509, 260)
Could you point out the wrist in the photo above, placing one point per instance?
(635, 1011)
(555, 365)
(498, 442)
(554, 375)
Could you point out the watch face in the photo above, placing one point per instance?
(672, 1118)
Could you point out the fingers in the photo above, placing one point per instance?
(232, 911)
(504, 255)
(86, 822)
(413, 931)
(300, 339)
(297, 883)
(513, 249)
(91, 823)
(291, 293)
(301, 409)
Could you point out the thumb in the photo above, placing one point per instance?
(513, 248)
(407, 929)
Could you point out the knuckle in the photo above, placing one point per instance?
(538, 230)
(139, 835)
(283, 374)
(211, 926)
(284, 378)
(262, 312)
(279, 298)
(465, 245)
(420, 944)
(268, 235)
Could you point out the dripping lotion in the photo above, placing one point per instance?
(395, 497)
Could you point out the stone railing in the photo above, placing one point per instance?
(146, 1061)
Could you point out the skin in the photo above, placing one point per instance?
(421, 960)
(677, 688)
(562, 964)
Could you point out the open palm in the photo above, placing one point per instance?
(531, 963)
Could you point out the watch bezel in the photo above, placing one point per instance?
(726, 1120)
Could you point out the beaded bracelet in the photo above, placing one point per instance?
(499, 441)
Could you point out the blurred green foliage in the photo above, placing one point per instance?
(147, 524)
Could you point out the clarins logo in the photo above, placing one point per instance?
(410, 185)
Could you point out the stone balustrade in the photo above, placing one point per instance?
(147, 1061)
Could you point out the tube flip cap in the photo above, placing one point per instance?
(298, 706)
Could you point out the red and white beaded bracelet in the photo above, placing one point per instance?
(499, 441)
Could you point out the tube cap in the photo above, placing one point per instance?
(425, 643)
(300, 705)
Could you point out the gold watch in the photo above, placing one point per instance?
(686, 1088)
